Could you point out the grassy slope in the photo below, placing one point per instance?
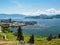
(38, 39)
(9, 36)
(44, 42)
(52, 42)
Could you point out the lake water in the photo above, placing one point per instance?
(53, 26)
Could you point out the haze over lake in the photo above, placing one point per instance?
(52, 26)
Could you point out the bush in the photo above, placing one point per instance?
(59, 35)
(5, 29)
(50, 37)
(31, 40)
(15, 33)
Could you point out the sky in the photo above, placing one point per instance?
(30, 7)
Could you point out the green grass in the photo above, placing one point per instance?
(52, 42)
(10, 36)
(38, 39)
(43, 42)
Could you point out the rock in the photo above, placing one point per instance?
(22, 42)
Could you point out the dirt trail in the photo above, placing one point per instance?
(12, 43)
(8, 42)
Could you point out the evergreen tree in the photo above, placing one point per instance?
(50, 37)
(59, 35)
(31, 39)
(20, 34)
(10, 20)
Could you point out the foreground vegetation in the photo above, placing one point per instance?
(43, 42)
(11, 38)
(38, 40)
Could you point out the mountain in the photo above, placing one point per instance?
(56, 16)
(13, 16)
(21, 16)
(44, 16)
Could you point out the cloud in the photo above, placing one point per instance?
(50, 11)
(33, 13)
(18, 7)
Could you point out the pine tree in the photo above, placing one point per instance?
(50, 37)
(59, 35)
(20, 34)
(31, 39)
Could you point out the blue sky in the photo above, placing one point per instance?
(29, 7)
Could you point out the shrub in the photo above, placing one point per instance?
(59, 35)
(31, 40)
(50, 37)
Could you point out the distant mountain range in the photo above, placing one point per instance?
(21, 16)
(44, 16)
(12, 16)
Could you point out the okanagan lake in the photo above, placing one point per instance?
(52, 26)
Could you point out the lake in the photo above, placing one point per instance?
(43, 27)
